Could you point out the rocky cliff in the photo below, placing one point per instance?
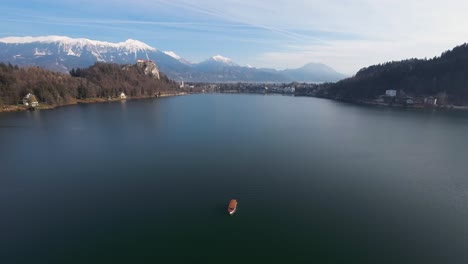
(150, 68)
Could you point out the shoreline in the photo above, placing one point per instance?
(379, 104)
(365, 102)
(414, 106)
(22, 108)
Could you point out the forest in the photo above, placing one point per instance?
(102, 80)
(444, 77)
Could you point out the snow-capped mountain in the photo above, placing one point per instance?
(130, 44)
(60, 53)
(101, 50)
(223, 60)
(215, 64)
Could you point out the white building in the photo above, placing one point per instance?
(123, 96)
(391, 93)
(430, 100)
(30, 100)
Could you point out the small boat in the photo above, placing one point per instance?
(232, 206)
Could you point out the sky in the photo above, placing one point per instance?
(346, 35)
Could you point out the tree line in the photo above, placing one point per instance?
(446, 75)
(102, 80)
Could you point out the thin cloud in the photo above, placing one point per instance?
(220, 14)
(346, 35)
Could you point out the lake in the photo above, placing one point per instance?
(317, 181)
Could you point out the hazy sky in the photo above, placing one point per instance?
(347, 35)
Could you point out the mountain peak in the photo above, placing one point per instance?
(135, 44)
(318, 72)
(314, 66)
(219, 58)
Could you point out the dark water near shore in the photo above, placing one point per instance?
(317, 181)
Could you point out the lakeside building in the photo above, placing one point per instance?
(430, 100)
(122, 95)
(391, 93)
(30, 100)
(409, 100)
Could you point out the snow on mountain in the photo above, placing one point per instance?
(79, 47)
(39, 52)
(172, 54)
(219, 58)
(133, 45)
(177, 57)
(130, 45)
(61, 53)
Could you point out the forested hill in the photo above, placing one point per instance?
(102, 80)
(442, 77)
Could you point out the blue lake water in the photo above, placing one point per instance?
(317, 181)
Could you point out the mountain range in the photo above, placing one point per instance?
(62, 54)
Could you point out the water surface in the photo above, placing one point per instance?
(148, 181)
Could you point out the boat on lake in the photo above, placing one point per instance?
(232, 206)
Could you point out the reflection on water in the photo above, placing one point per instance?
(123, 104)
(36, 118)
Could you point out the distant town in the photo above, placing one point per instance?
(392, 97)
